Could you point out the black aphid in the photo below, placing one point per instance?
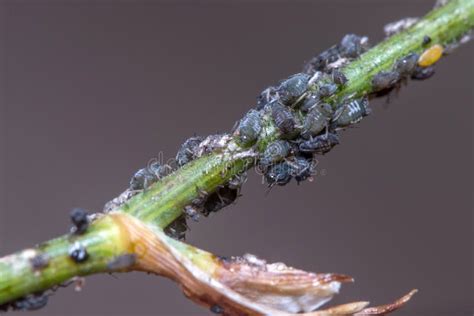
(352, 112)
(216, 309)
(80, 221)
(223, 197)
(320, 144)
(78, 253)
(278, 174)
(320, 62)
(301, 168)
(426, 40)
(327, 89)
(384, 80)
(31, 302)
(266, 96)
(39, 262)
(187, 152)
(293, 87)
(275, 152)
(249, 128)
(338, 77)
(406, 65)
(143, 179)
(421, 73)
(122, 262)
(316, 120)
(283, 118)
(310, 101)
(192, 212)
(177, 229)
(352, 46)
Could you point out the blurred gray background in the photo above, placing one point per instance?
(92, 89)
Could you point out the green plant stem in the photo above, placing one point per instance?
(164, 201)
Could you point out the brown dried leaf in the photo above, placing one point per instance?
(239, 285)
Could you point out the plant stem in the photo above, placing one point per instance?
(164, 202)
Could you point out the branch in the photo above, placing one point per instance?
(109, 242)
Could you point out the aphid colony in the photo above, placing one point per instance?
(307, 126)
(413, 65)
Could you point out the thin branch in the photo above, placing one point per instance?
(108, 245)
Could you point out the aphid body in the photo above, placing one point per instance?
(338, 77)
(352, 112)
(309, 102)
(266, 96)
(293, 87)
(316, 120)
(275, 152)
(301, 168)
(31, 302)
(327, 89)
(278, 174)
(406, 65)
(223, 197)
(283, 118)
(177, 229)
(78, 253)
(320, 144)
(187, 152)
(39, 262)
(384, 80)
(352, 46)
(430, 56)
(80, 221)
(422, 73)
(249, 128)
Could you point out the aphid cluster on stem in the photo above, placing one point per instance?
(413, 65)
(350, 48)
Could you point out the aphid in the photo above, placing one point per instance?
(142, 179)
(310, 102)
(191, 212)
(338, 77)
(216, 309)
(187, 151)
(78, 253)
(122, 262)
(320, 62)
(278, 174)
(384, 80)
(320, 144)
(422, 73)
(265, 97)
(283, 118)
(406, 65)
(249, 128)
(158, 170)
(223, 197)
(301, 168)
(316, 120)
(352, 46)
(39, 262)
(293, 87)
(426, 40)
(80, 221)
(430, 56)
(352, 112)
(177, 229)
(275, 152)
(327, 89)
(30, 303)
